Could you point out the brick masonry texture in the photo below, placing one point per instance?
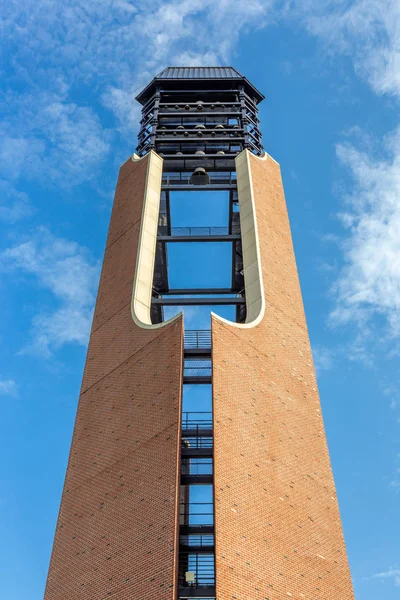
(117, 529)
(278, 528)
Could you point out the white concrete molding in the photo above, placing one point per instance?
(253, 280)
(143, 280)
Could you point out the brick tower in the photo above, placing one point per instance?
(236, 502)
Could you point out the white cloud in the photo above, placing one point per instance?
(47, 138)
(69, 272)
(8, 387)
(367, 292)
(14, 205)
(392, 573)
(324, 358)
(366, 30)
(369, 283)
(392, 392)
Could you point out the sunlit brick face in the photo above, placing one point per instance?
(278, 530)
(117, 528)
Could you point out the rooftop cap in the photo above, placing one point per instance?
(171, 76)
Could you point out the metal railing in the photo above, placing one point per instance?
(196, 513)
(202, 566)
(197, 339)
(197, 442)
(197, 466)
(204, 231)
(193, 421)
(197, 540)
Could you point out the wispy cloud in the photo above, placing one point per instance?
(367, 291)
(395, 481)
(14, 205)
(324, 358)
(47, 138)
(70, 273)
(369, 284)
(392, 573)
(365, 30)
(8, 387)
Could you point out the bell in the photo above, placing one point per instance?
(187, 107)
(199, 177)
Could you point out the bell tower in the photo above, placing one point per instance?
(199, 466)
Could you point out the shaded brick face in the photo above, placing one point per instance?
(117, 529)
(278, 528)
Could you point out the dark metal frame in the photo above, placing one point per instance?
(167, 234)
(198, 117)
(182, 117)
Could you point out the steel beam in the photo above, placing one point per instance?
(199, 291)
(198, 238)
(197, 301)
(196, 479)
(197, 452)
(178, 187)
(196, 592)
(197, 379)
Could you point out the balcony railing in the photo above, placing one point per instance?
(196, 442)
(198, 339)
(178, 231)
(201, 566)
(197, 541)
(193, 421)
(196, 513)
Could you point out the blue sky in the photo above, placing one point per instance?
(330, 71)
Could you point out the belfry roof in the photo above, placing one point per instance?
(195, 76)
(199, 73)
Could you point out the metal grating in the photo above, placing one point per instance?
(197, 339)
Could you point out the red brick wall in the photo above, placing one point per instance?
(278, 529)
(117, 529)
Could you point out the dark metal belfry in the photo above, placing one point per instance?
(199, 119)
